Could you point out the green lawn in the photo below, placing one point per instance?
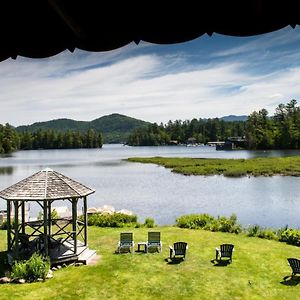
(288, 166)
(257, 270)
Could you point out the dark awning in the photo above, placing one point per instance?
(40, 28)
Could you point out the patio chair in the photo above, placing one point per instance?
(178, 251)
(294, 263)
(225, 251)
(25, 244)
(154, 241)
(126, 243)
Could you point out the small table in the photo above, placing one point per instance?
(140, 244)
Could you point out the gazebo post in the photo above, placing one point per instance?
(8, 225)
(16, 228)
(74, 222)
(49, 218)
(45, 214)
(85, 221)
(23, 216)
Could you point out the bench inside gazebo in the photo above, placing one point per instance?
(60, 239)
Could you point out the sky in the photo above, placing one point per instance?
(204, 78)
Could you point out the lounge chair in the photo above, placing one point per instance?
(178, 251)
(225, 251)
(126, 243)
(154, 241)
(294, 263)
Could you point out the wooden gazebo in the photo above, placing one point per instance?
(61, 239)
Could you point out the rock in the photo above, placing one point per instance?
(106, 209)
(50, 272)
(49, 276)
(126, 212)
(58, 267)
(78, 264)
(92, 210)
(54, 269)
(40, 280)
(21, 280)
(5, 280)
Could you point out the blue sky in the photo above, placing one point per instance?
(206, 77)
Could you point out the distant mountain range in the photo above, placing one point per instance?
(115, 127)
(232, 118)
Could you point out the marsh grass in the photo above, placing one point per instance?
(256, 272)
(286, 166)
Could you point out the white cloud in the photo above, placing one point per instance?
(154, 87)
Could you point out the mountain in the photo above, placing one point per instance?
(115, 127)
(232, 118)
(59, 125)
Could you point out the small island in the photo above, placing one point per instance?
(284, 166)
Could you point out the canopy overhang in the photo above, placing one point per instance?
(39, 28)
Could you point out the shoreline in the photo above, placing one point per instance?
(267, 166)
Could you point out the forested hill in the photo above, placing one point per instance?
(115, 128)
(233, 118)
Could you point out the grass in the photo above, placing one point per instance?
(257, 270)
(286, 166)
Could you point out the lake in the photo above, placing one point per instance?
(153, 191)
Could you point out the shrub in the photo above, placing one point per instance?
(194, 221)
(290, 236)
(32, 269)
(253, 230)
(4, 226)
(224, 224)
(208, 222)
(113, 220)
(267, 233)
(149, 223)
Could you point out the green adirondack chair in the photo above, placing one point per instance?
(154, 241)
(225, 251)
(294, 263)
(126, 243)
(178, 250)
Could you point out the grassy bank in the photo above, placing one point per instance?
(257, 270)
(286, 166)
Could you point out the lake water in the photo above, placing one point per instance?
(156, 192)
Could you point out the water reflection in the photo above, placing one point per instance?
(6, 170)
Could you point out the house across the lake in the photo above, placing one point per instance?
(231, 143)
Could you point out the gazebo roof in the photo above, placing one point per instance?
(46, 185)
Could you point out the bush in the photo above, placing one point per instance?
(32, 269)
(54, 215)
(149, 223)
(290, 236)
(4, 226)
(113, 220)
(253, 230)
(194, 221)
(208, 222)
(267, 233)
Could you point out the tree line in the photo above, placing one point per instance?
(282, 131)
(201, 130)
(11, 140)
